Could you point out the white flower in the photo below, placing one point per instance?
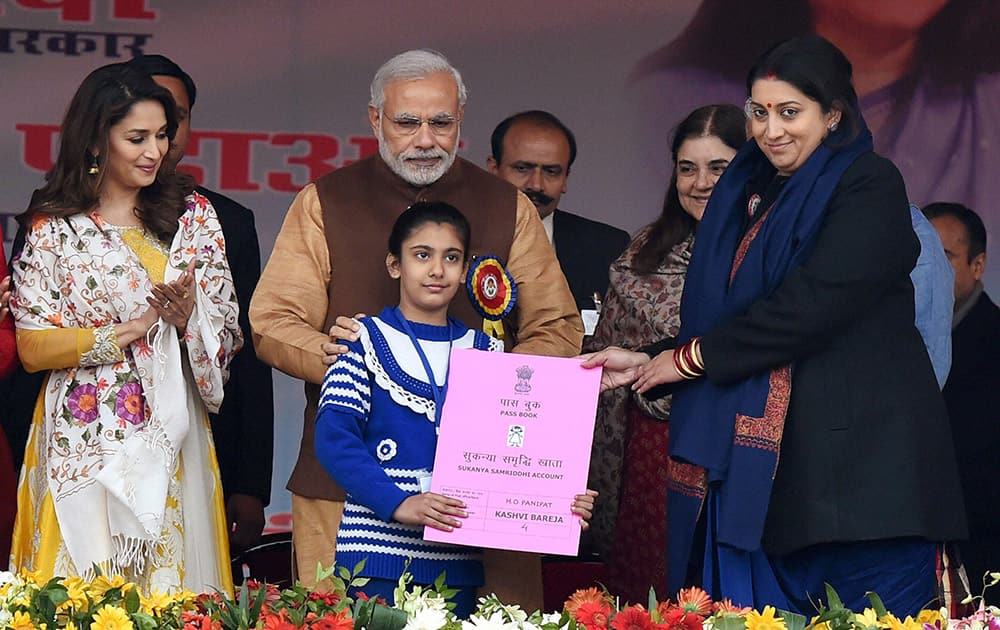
(7, 577)
(418, 600)
(386, 450)
(495, 621)
(427, 619)
(5, 617)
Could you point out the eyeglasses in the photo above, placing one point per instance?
(441, 125)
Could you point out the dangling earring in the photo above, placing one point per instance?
(93, 170)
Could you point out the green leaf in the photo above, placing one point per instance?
(651, 600)
(385, 618)
(832, 598)
(793, 621)
(132, 601)
(343, 573)
(91, 283)
(730, 622)
(877, 604)
(359, 567)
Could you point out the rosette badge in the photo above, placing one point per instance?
(492, 291)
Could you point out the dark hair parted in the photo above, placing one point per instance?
(725, 122)
(103, 100)
(161, 65)
(536, 117)
(975, 231)
(819, 70)
(423, 212)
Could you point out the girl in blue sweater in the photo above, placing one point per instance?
(376, 430)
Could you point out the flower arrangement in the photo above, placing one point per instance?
(111, 603)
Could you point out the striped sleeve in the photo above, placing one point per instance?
(347, 385)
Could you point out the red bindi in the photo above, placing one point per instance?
(769, 106)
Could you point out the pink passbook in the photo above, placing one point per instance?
(514, 445)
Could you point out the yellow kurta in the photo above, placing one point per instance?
(37, 543)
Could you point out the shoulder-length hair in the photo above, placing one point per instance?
(103, 100)
(725, 122)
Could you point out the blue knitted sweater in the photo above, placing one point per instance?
(376, 434)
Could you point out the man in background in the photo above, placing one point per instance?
(534, 151)
(972, 392)
(243, 430)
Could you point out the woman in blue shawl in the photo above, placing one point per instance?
(797, 340)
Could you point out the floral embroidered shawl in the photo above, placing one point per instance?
(113, 432)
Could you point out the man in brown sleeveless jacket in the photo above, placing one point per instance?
(329, 260)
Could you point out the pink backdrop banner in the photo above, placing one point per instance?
(514, 446)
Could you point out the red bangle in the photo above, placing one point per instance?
(686, 361)
(681, 366)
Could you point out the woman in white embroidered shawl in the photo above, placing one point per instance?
(123, 293)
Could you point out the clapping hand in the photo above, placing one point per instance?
(174, 301)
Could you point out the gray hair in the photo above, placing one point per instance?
(410, 65)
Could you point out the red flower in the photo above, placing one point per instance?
(198, 621)
(278, 622)
(583, 596)
(663, 608)
(593, 615)
(334, 621)
(633, 618)
(677, 619)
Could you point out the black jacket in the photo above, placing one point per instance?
(866, 452)
(585, 250)
(243, 429)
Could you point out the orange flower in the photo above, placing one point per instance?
(583, 596)
(694, 600)
(633, 618)
(727, 607)
(593, 615)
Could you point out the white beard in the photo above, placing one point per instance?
(411, 173)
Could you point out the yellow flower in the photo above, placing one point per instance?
(111, 618)
(765, 620)
(933, 617)
(31, 577)
(893, 623)
(819, 626)
(103, 584)
(70, 626)
(156, 603)
(21, 621)
(869, 619)
(76, 589)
